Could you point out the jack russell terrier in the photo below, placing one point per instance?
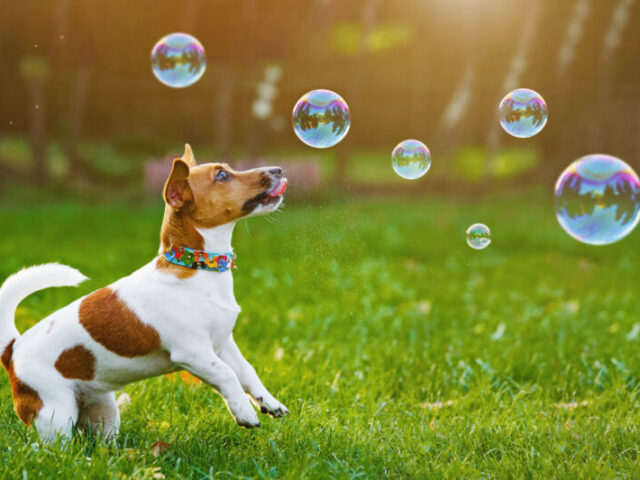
(176, 312)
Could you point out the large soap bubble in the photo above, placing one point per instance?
(411, 159)
(178, 60)
(321, 118)
(523, 113)
(597, 199)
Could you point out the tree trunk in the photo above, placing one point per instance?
(223, 110)
(76, 117)
(512, 79)
(343, 154)
(37, 129)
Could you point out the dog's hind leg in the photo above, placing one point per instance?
(99, 413)
(267, 403)
(57, 416)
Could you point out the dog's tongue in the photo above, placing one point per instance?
(279, 190)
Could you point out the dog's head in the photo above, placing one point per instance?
(213, 194)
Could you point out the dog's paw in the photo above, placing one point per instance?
(244, 414)
(270, 405)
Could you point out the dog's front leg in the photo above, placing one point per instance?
(208, 367)
(231, 355)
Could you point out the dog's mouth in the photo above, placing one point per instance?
(278, 190)
(271, 196)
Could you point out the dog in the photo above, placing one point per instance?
(175, 313)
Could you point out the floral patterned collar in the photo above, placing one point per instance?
(201, 260)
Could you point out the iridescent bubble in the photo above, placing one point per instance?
(178, 60)
(523, 113)
(598, 199)
(411, 159)
(478, 236)
(321, 118)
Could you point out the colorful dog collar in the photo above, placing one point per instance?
(201, 260)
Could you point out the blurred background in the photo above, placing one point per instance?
(80, 109)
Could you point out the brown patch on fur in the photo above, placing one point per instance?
(114, 326)
(26, 401)
(7, 354)
(77, 363)
(177, 231)
(180, 272)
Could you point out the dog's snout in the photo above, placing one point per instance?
(275, 172)
(271, 176)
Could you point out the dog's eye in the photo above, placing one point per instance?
(222, 176)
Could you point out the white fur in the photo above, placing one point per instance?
(25, 282)
(194, 318)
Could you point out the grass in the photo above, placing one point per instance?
(400, 351)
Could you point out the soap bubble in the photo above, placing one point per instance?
(411, 159)
(478, 236)
(597, 199)
(178, 60)
(523, 113)
(321, 118)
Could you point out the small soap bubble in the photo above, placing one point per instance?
(178, 60)
(321, 118)
(411, 159)
(478, 236)
(523, 113)
(597, 199)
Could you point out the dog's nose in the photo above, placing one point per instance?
(276, 172)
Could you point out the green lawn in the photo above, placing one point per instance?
(362, 316)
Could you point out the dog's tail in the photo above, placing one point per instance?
(22, 284)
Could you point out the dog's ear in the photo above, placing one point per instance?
(188, 157)
(177, 192)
